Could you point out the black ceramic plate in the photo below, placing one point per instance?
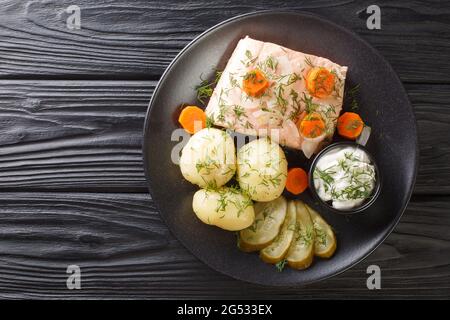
(383, 105)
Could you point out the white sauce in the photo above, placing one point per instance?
(345, 177)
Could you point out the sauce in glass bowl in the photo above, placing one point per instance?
(344, 176)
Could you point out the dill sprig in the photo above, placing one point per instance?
(309, 62)
(250, 60)
(274, 181)
(310, 106)
(206, 88)
(305, 235)
(281, 101)
(325, 176)
(280, 265)
(271, 62)
(210, 185)
(207, 165)
(209, 122)
(351, 97)
(295, 104)
(321, 236)
(294, 77)
(238, 111)
(354, 124)
(222, 203)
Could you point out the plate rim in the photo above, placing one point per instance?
(145, 144)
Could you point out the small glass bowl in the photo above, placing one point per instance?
(369, 201)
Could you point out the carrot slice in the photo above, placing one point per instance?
(320, 82)
(350, 125)
(297, 180)
(192, 119)
(254, 83)
(312, 125)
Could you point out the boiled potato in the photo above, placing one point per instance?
(325, 240)
(277, 250)
(301, 252)
(226, 208)
(209, 158)
(269, 217)
(262, 169)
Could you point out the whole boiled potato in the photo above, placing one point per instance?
(262, 169)
(209, 158)
(226, 208)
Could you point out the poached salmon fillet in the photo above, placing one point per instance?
(269, 90)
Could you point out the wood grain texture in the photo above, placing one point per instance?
(87, 135)
(432, 110)
(69, 135)
(72, 188)
(123, 39)
(125, 251)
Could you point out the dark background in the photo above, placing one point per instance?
(72, 188)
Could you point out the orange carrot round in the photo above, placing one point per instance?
(297, 180)
(350, 125)
(320, 82)
(254, 83)
(312, 125)
(192, 119)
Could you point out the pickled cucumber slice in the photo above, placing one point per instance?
(269, 216)
(277, 250)
(301, 251)
(325, 240)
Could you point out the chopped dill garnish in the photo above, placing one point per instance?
(274, 181)
(234, 83)
(280, 265)
(248, 125)
(222, 203)
(321, 236)
(343, 164)
(254, 226)
(350, 156)
(207, 165)
(250, 58)
(351, 97)
(310, 106)
(242, 205)
(326, 177)
(210, 185)
(354, 90)
(229, 170)
(281, 101)
(354, 124)
(218, 75)
(209, 122)
(248, 54)
(295, 104)
(251, 75)
(204, 91)
(238, 111)
(206, 88)
(306, 236)
(308, 62)
(271, 63)
(294, 77)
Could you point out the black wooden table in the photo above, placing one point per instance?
(72, 188)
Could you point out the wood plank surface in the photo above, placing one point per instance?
(72, 188)
(121, 39)
(125, 251)
(72, 135)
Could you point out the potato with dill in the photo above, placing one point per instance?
(262, 169)
(226, 208)
(209, 158)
